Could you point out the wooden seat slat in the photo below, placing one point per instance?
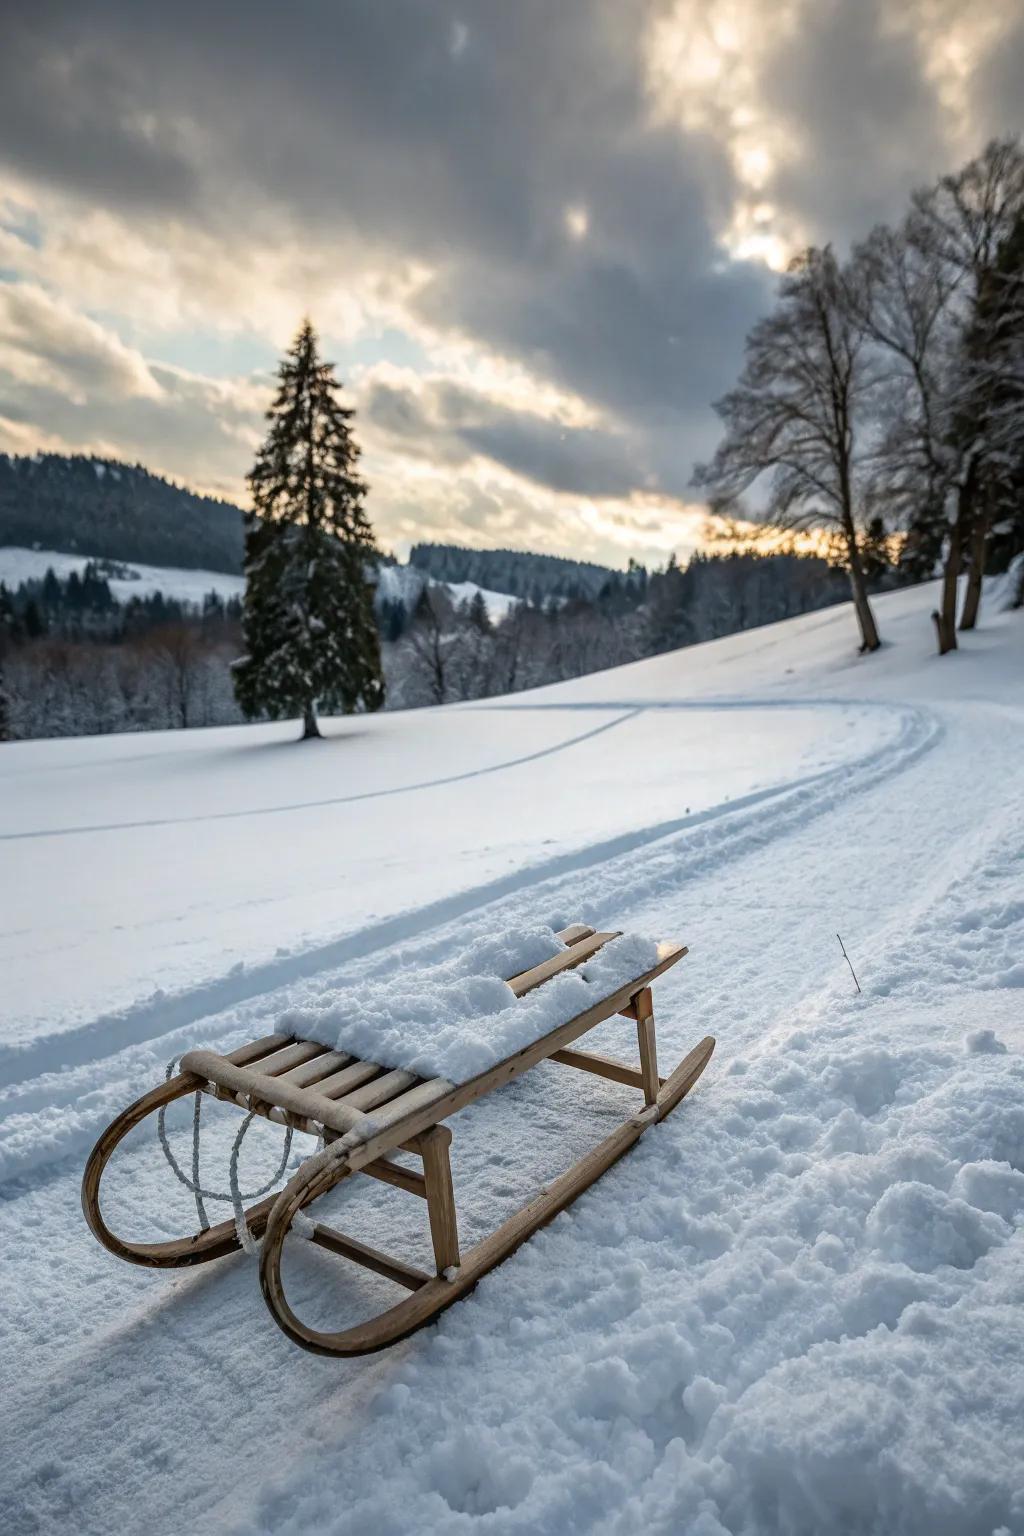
(565, 960)
(574, 933)
(293, 1055)
(253, 1085)
(414, 1099)
(340, 1083)
(316, 1069)
(389, 1086)
(253, 1050)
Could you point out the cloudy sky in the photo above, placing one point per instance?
(531, 232)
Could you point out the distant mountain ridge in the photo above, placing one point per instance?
(530, 576)
(92, 506)
(102, 508)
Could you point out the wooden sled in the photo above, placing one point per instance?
(303, 1084)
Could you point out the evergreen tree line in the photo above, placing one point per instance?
(83, 605)
(119, 672)
(885, 395)
(531, 576)
(91, 506)
(881, 397)
(445, 651)
(74, 661)
(312, 634)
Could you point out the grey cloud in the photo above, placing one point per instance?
(1001, 88)
(359, 118)
(188, 430)
(360, 121)
(451, 423)
(870, 124)
(73, 115)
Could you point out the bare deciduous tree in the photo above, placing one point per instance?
(796, 416)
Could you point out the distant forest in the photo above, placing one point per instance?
(121, 512)
(88, 506)
(74, 661)
(530, 576)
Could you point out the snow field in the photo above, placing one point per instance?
(167, 864)
(185, 586)
(794, 1307)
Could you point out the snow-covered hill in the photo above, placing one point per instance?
(398, 582)
(795, 1307)
(18, 565)
(404, 583)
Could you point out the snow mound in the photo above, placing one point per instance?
(983, 1042)
(918, 1225)
(458, 1017)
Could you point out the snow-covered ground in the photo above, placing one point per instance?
(397, 581)
(404, 583)
(795, 1307)
(18, 565)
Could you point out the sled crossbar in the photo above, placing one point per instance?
(365, 1112)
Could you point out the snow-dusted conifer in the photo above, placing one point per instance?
(478, 615)
(311, 639)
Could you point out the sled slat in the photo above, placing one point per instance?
(316, 1069)
(380, 1090)
(566, 960)
(339, 1083)
(257, 1087)
(416, 1098)
(245, 1055)
(574, 933)
(294, 1055)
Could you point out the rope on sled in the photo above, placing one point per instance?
(234, 1195)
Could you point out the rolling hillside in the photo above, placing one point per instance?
(90, 506)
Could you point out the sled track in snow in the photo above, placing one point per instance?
(676, 852)
(629, 713)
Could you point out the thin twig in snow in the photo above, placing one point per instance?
(849, 962)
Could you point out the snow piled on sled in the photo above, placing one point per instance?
(458, 1017)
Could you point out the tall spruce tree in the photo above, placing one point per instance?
(310, 635)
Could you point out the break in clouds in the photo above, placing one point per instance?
(532, 235)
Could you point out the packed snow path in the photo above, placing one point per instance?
(796, 1306)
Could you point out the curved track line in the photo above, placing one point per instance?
(309, 805)
(163, 1014)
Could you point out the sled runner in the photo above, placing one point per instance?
(364, 1112)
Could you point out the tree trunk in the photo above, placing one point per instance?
(975, 576)
(869, 638)
(945, 618)
(310, 728)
